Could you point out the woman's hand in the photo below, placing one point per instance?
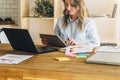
(73, 42)
(44, 41)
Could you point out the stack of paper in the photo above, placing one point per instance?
(13, 58)
(77, 49)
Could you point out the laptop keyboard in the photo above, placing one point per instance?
(46, 49)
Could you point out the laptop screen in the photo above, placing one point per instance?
(20, 39)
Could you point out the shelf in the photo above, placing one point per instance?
(103, 18)
(6, 25)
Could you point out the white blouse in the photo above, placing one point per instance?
(89, 35)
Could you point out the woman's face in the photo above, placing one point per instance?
(70, 7)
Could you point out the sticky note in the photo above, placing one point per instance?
(71, 55)
(62, 58)
(81, 56)
(84, 54)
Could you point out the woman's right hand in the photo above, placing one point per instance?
(73, 42)
(44, 41)
(70, 42)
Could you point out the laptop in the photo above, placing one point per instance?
(21, 40)
(53, 40)
(105, 58)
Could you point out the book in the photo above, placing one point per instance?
(13, 58)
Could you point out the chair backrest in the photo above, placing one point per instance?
(114, 11)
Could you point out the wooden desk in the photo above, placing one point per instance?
(44, 67)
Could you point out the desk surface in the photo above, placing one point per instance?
(44, 67)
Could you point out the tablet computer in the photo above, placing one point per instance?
(53, 40)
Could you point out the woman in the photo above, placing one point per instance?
(76, 27)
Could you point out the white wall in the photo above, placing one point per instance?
(37, 26)
(107, 30)
(9, 8)
(119, 18)
(100, 6)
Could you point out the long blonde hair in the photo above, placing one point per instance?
(82, 13)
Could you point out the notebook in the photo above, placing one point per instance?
(21, 40)
(105, 58)
(53, 40)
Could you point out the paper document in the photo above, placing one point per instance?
(77, 49)
(13, 58)
(108, 49)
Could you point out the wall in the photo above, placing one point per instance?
(108, 27)
(100, 7)
(9, 8)
(119, 18)
(96, 7)
(36, 27)
(39, 25)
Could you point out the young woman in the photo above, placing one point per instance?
(76, 27)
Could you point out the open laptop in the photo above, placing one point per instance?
(110, 58)
(21, 40)
(53, 40)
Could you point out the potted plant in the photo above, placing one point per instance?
(44, 8)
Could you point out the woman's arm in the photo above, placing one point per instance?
(92, 34)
